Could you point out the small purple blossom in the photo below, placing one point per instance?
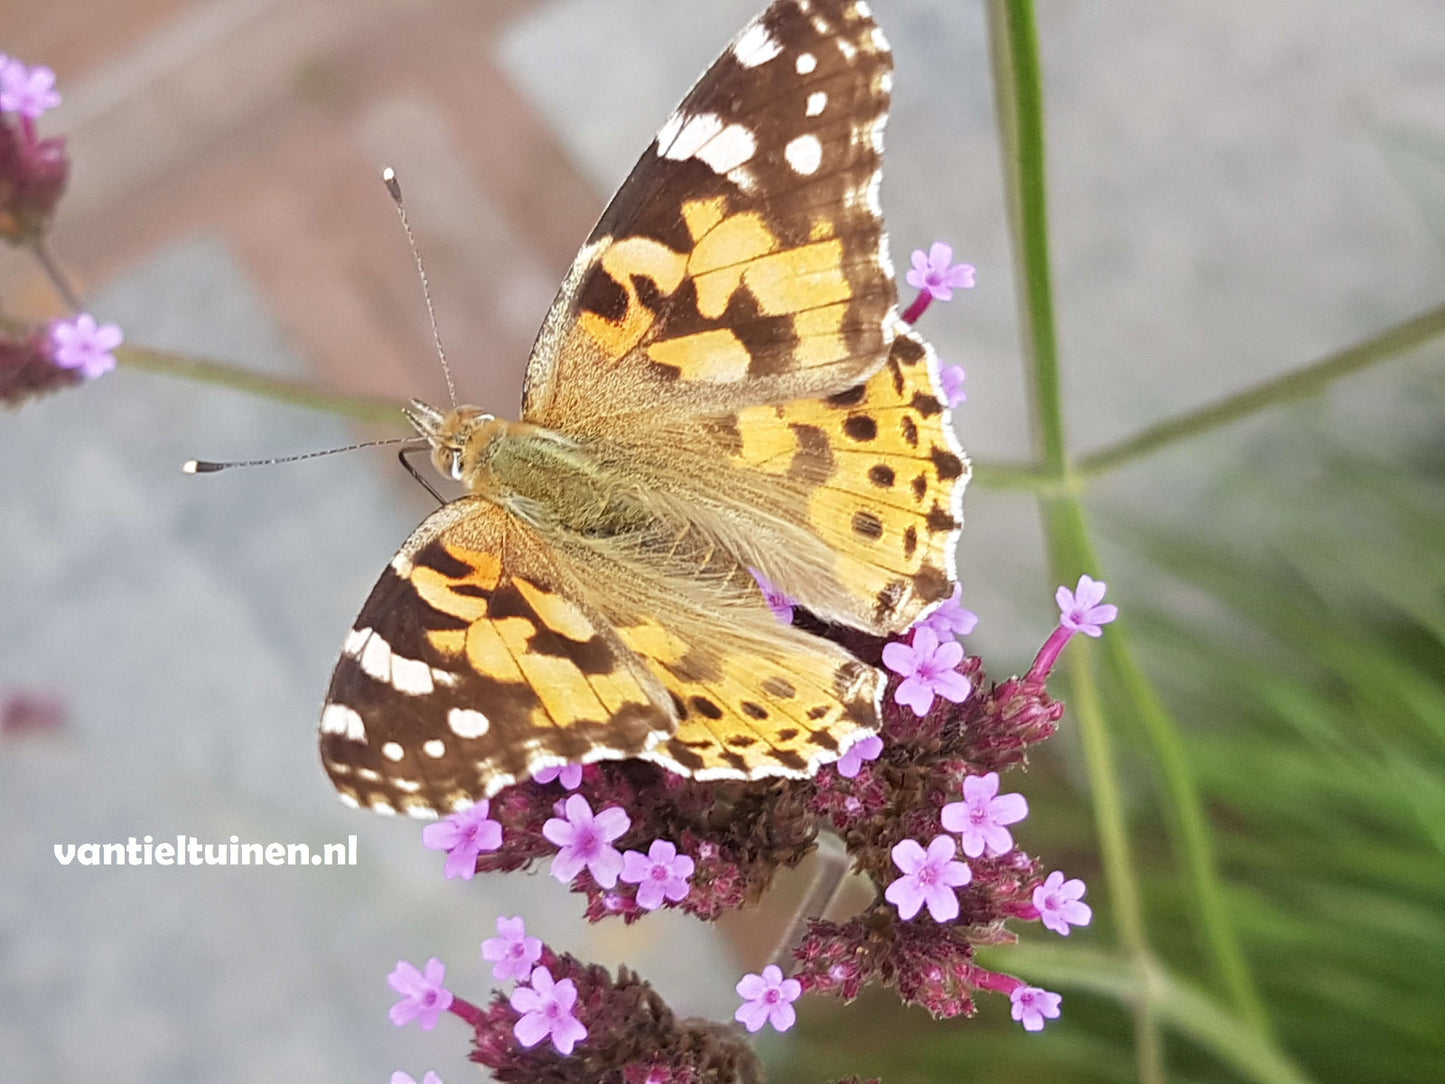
(768, 999)
(1080, 609)
(950, 377)
(27, 91)
(585, 840)
(399, 1077)
(1060, 904)
(424, 998)
(659, 874)
(570, 774)
(949, 618)
(512, 952)
(463, 836)
(779, 603)
(1031, 1006)
(938, 274)
(929, 877)
(851, 762)
(546, 1009)
(979, 819)
(928, 669)
(83, 344)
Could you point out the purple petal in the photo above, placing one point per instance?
(752, 1015)
(915, 694)
(940, 255)
(904, 894)
(951, 685)
(942, 903)
(901, 658)
(1008, 808)
(605, 866)
(566, 1034)
(532, 1028)
(612, 822)
(783, 1015)
(751, 987)
(980, 788)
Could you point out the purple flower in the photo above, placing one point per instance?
(951, 378)
(938, 274)
(27, 91)
(512, 952)
(779, 603)
(546, 1009)
(768, 999)
(82, 344)
(570, 774)
(1079, 609)
(658, 874)
(399, 1077)
(851, 762)
(463, 836)
(586, 840)
(928, 877)
(980, 818)
(949, 618)
(423, 995)
(1060, 905)
(928, 670)
(1032, 1005)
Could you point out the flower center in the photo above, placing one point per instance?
(772, 996)
(659, 873)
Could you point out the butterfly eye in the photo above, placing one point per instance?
(457, 465)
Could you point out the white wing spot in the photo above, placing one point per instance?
(804, 154)
(376, 658)
(756, 46)
(821, 25)
(880, 41)
(348, 800)
(729, 149)
(371, 775)
(392, 751)
(382, 807)
(668, 132)
(692, 134)
(339, 719)
(411, 676)
(817, 102)
(411, 786)
(419, 811)
(434, 748)
(862, 10)
(847, 48)
(806, 64)
(355, 641)
(468, 722)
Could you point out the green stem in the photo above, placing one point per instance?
(1288, 388)
(1013, 476)
(360, 408)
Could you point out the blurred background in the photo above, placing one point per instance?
(1235, 190)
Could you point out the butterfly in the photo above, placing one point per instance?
(723, 385)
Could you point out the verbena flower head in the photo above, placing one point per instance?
(1060, 903)
(951, 378)
(82, 344)
(779, 603)
(399, 1077)
(27, 91)
(464, 836)
(1080, 609)
(936, 272)
(864, 749)
(979, 819)
(768, 999)
(585, 841)
(928, 668)
(929, 877)
(424, 998)
(512, 952)
(569, 774)
(547, 1012)
(660, 874)
(949, 618)
(1032, 1006)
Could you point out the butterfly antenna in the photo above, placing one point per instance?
(205, 466)
(393, 187)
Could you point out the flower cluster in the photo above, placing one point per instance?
(33, 171)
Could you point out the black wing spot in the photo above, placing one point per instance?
(706, 707)
(882, 476)
(860, 427)
(867, 525)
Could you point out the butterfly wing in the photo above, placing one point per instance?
(743, 260)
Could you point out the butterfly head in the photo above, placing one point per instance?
(458, 438)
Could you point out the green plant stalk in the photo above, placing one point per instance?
(1292, 386)
(360, 408)
(1182, 1007)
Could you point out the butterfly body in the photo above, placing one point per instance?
(722, 387)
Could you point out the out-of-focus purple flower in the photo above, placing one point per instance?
(768, 999)
(929, 877)
(1080, 609)
(1060, 903)
(936, 272)
(659, 874)
(585, 840)
(951, 377)
(81, 343)
(27, 91)
(424, 998)
(779, 603)
(570, 774)
(399, 1077)
(1031, 1006)
(512, 953)
(949, 618)
(979, 819)
(928, 669)
(851, 762)
(463, 836)
(547, 1010)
